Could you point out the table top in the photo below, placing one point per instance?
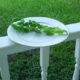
(37, 40)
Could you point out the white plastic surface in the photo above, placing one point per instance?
(37, 40)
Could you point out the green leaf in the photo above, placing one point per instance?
(49, 31)
(16, 19)
(29, 26)
(37, 30)
(20, 28)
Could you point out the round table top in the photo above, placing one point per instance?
(38, 40)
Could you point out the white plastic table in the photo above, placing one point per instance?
(42, 41)
(8, 47)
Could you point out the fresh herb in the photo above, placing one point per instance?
(30, 26)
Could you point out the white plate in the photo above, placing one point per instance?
(37, 40)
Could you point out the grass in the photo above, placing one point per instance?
(62, 10)
(23, 65)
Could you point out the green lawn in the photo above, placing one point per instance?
(24, 66)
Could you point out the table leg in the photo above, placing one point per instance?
(77, 56)
(44, 61)
(4, 67)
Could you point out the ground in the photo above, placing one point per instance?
(25, 65)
